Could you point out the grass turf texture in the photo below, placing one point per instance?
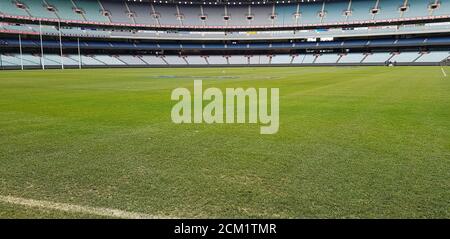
(353, 142)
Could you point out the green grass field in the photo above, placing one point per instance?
(362, 142)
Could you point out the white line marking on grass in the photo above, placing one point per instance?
(443, 72)
(107, 212)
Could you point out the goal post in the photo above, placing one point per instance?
(445, 66)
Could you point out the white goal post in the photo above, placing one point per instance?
(444, 65)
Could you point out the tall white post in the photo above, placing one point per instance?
(20, 50)
(42, 46)
(60, 45)
(79, 54)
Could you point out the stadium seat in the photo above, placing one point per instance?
(117, 11)
(37, 9)
(434, 56)
(327, 59)
(8, 7)
(361, 10)
(131, 60)
(64, 10)
(108, 60)
(354, 58)
(175, 60)
(153, 60)
(125, 45)
(28, 60)
(405, 57)
(298, 59)
(281, 59)
(196, 60)
(309, 12)
(92, 11)
(217, 60)
(377, 57)
(238, 60)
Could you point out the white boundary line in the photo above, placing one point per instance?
(107, 212)
(443, 71)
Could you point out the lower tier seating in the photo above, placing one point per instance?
(54, 60)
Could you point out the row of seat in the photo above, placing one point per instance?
(99, 32)
(8, 60)
(309, 12)
(421, 41)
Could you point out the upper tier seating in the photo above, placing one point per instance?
(64, 10)
(91, 10)
(118, 12)
(9, 7)
(389, 9)
(38, 9)
(170, 15)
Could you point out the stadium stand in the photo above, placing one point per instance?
(54, 60)
(315, 12)
(123, 33)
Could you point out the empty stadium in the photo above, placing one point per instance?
(85, 108)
